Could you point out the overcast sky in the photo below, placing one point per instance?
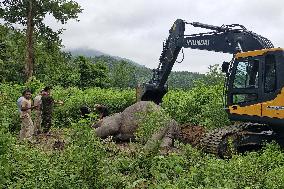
(136, 29)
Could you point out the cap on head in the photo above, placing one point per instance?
(47, 88)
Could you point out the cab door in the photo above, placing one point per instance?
(244, 92)
(273, 97)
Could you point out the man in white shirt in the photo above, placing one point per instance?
(19, 102)
(27, 127)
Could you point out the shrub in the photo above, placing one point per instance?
(202, 106)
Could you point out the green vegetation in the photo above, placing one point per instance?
(89, 162)
(200, 106)
(31, 14)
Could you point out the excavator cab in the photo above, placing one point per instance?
(254, 87)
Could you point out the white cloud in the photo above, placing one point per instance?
(135, 29)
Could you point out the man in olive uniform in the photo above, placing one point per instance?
(47, 104)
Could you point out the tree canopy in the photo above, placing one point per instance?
(16, 12)
(31, 15)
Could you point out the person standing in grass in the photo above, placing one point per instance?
(47, 103)
(27, 127)
(37, 103)
(19, 102)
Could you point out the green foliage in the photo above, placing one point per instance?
(16, 12)
(34, 85)
(151, 122)
(11, 55)
(91, 75)
(123, 75)
(52, 66)
(9, 112)
(88, 162)
(213, 77)
(74, 98)
(252, 170)
(183, 80)
(202, 105)
(77, 167)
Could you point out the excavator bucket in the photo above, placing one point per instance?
(148, 92)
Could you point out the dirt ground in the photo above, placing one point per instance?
(50, 142)
(191, 134)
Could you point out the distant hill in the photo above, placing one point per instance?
(139, 73)
(96, 53)
(86, 52)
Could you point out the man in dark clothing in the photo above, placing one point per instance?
(102, 110)
(85, 111)
(47, 109)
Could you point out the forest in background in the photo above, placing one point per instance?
(53, 66)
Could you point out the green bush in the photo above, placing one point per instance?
(202, 105)
(150, 122)
(74, 98)
(77, 167)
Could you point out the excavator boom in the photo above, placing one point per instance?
(227, 39)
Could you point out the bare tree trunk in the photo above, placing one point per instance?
(30, 50)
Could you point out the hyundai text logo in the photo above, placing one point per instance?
(201, 42)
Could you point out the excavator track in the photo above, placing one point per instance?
(227, 140)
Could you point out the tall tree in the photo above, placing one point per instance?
(31, 14)
(124, 75)
(92, 74)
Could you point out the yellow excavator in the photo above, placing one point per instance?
(254, 87)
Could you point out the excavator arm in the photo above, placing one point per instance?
(227, 39)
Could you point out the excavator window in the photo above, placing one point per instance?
(246, 77)
(247, 74)
(242, 98)
(270, 74)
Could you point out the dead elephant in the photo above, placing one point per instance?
(122, 126)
